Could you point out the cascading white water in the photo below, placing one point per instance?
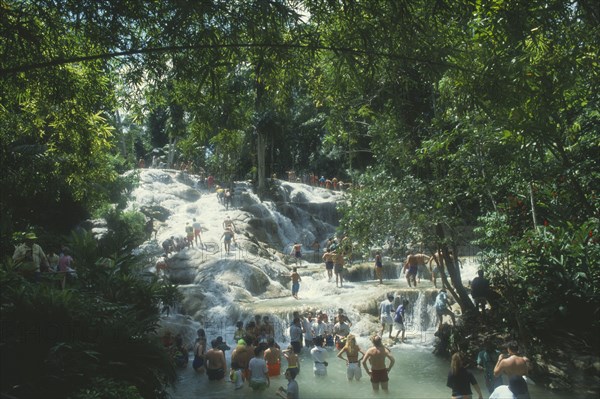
(220, 288)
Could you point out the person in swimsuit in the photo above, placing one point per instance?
(227, 237)
(297, 252)
(411, 266)
(378, 268)
(273, 358)
(375, 357)
(339, 268)
(295, 282)
(352, 350)
(438, 270)
(216, 366)
(199, 348)
(516, 368)
(328, 259)
(292, 359)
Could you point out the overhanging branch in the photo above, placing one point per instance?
(347, 50)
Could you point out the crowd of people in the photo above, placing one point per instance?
(257, 358)
(31, 260)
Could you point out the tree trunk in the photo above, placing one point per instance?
(532, 200)
(261, 135)
(452, 267)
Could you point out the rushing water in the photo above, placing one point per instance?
(221, 288)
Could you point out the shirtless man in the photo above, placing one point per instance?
(295, 282)
(273, 358)
(328, 259)
(227, 237)
(422, 261)
(411, 266)
(216, 366)
(228, 224)
(297, 253)
(515, 367)
(375, 356)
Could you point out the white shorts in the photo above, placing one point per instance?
(354, 371)
(387, 320)
(399, 326)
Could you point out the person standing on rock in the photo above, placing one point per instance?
(297, 253)
(339, 268)
(378, 267)
(189, 233)
(399, 320)
(441, 308)
(422, 261)
(385, 313)
(197, 232)
(227, 237)
(328, 257)
(295, 282)
(228, 224)
(411, 268)
(438, 270)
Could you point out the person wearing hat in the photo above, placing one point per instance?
(222, 346)
(31, 255)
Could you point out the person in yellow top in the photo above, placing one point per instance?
(31, 256)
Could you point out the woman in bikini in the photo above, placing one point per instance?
(352, 350)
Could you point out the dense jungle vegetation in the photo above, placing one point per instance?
(442, 114)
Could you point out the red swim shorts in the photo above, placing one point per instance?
(379, 375)
(274, 369)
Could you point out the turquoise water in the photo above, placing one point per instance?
(416, 374)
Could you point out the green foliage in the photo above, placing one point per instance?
(95, 338)
(550, 275)
(104, 388)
